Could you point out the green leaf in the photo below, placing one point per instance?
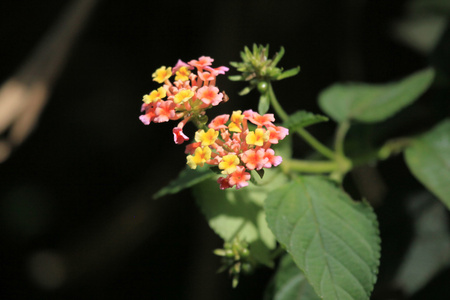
(289, 283)
(331, 238)
(248, 53)
(370, 103)
(435, 7)
(235, 64)
(277, 57)
(236, 78)
(232, 212)
(187, 178)
(256, 50)
(303, 118)
(246, 90)
(428, 158)
(266, 51)
(429, 251)
(288, 73)
(260, 173)
(264, 104)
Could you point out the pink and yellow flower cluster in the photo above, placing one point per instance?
(231, 145)
(186, 98)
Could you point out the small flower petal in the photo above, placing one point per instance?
(239, 178)
(183, 96)
(219, 122)
(229, 163)
(178, 136)
(206, 138)
(162, 74)
(257, 137)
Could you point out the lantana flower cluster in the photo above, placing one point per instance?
(186, 98)
(231, 145)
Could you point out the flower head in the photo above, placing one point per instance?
(227, 142)
(186, 98)
(235, 149)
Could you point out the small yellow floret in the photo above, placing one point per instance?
(182, 74)
(201, 155)
(206, 138)
(183, 96)
(236, 120)
(162, 74)
(257, 137)
(154, 95)
(233, 127)
(237, 117)
(229, 163)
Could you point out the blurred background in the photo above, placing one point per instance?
(78, 168)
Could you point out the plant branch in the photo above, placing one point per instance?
(312, 141)
(276, 105)
(391, 147)
(309, 166)
(341, 132)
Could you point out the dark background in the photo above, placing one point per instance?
(77, 218)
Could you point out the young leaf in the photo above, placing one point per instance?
(246, 90)
(260, 173)
(370, 103)
(331, 238)
(278, 57)
(236, 78)
(264, 104)
(428, 158)
(289, 283)
(288, 73)
(186, 179)
(232, 212)
(303, 118)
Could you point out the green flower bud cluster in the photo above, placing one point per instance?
(259, 71)
(236, 258)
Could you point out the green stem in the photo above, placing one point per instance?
(391, 147)
(340, 136)
(309, 166)
(276, 105)
(277, 252)
(312, 141)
